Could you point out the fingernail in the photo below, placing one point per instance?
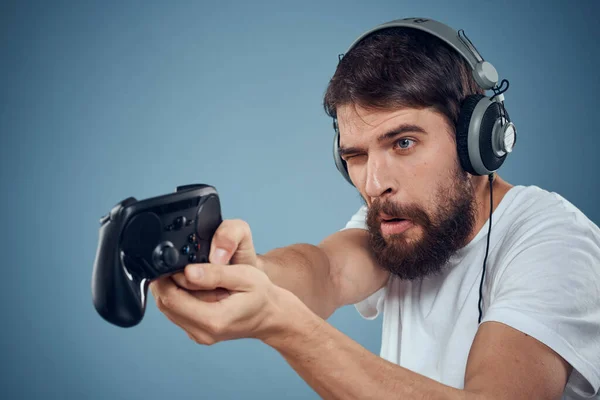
(220, 256)
(197, 272)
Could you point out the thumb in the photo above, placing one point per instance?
(232, 243)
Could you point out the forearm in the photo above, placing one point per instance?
(302, 269)
(338, 368)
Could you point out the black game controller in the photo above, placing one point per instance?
(141, 241)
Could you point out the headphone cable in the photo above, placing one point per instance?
(491, 180)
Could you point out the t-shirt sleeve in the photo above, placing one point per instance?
(358, 220)
(550, 290)
(370, 307)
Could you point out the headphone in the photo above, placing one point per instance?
(484, 132)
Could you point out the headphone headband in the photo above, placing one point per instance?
(484, 73)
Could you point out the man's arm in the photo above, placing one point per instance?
(503, 364)
(339, 271)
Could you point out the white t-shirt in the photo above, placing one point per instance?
(542, 278)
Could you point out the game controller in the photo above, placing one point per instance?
(141, 241)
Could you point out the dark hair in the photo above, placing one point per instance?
(402, 67)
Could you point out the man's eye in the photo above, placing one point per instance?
(405, 143)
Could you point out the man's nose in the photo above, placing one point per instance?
(378, 177)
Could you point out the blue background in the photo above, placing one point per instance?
(104, 100)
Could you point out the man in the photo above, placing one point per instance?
(526, 327)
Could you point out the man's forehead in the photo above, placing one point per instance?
(354, 119)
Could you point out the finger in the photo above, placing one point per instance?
(232, 243)
(160, 289)
(155, 288)
(180, 305)
(237, 277)
(188, 325)
(201, 324)
(181, 281)
(197, 291)
(211, 296)
(204, 322)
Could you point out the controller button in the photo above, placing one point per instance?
(192, 257)
(196, 246)
(189, 222)
(179, 222)
(185, 249)
(192, 238)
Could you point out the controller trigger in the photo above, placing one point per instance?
(191, 186)
(128, 201)
(116, 209)
(104, 219)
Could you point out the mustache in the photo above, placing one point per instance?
(406, 211)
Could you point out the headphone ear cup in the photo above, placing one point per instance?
(490, 132)
(479, 127)
(462, 131)
(339, 162)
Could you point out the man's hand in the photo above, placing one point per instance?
(254, 307)
(242, 296)
(228, 298)
(231, 243)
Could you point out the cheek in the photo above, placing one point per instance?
(436, 161)
(428, 175)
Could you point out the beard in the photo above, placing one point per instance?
(444, 233)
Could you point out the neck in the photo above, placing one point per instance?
(481, 186)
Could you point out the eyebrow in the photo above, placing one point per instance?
(402, 128)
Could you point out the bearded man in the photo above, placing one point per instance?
(488, 290)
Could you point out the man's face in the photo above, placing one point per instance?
(421, 203)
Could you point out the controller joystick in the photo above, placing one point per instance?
(165, 256)
(141, 241)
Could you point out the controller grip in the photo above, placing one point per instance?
(117, 298)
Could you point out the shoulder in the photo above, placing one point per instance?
(532, 201)
(535, 217)
(545, 236)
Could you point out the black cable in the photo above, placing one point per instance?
(487, 248)
(498, 90)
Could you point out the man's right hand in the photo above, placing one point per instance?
(231, 244)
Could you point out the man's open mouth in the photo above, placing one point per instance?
(393, 219)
